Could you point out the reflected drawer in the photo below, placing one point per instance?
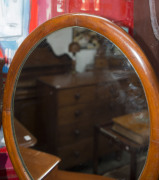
(76, 154)
(72, 133)
(71, 96)
(75, 113)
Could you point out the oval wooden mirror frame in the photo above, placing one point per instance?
(131, 50)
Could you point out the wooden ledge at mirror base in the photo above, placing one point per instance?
(63, 175)
(39, 164)
(45, 166)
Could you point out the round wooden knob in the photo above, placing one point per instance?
(77, 113)
(77, 132)
(77, 96)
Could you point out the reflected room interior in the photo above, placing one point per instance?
(79, 98)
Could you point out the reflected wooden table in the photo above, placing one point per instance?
(122, 142)
(24, 137)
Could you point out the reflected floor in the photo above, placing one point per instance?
(114, 166)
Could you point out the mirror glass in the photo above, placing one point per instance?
(79, 98)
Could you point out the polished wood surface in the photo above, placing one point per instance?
(131, 50)
(86, 78)
(134, 126)
(45, 166)
(39, 164)
(64, 175)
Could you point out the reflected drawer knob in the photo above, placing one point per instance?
(77, 154)
(77, 96)
(77, 113)
(77, 132)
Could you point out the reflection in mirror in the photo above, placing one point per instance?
(79, 98)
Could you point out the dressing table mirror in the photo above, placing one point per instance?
(73, 82)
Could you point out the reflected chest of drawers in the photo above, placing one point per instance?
(68, 108)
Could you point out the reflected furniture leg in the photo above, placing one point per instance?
(95, 150)
(133, 165)
(122, 142)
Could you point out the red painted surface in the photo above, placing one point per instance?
(33, 15)
(1, 54)
(119, 11)
(43, 11)
(96, 5)
(59, 4)
(85, 6)
(6, 169)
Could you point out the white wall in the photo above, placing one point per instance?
(60, 41)
(84, 58)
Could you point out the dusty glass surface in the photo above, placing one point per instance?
(80, 99)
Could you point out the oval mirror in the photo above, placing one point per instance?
(79, 94)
